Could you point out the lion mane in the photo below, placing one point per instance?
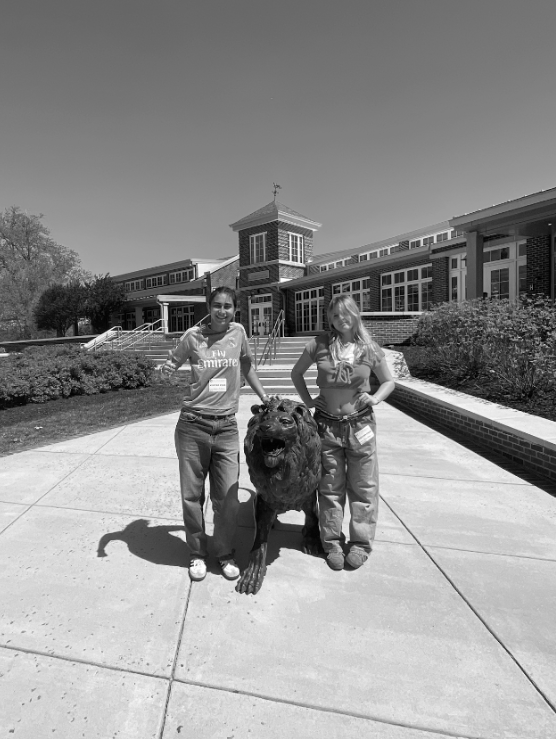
(283, 453)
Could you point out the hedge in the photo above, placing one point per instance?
(509, 346)
(43, 373)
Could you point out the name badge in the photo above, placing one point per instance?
(217, 385)
(364, 434)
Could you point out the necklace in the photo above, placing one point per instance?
(346, 352)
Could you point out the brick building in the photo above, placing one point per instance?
(174, 294)
(503, 251)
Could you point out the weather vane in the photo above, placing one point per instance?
(276, 188)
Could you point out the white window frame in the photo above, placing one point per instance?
(296, 247)
(133, 285)
(155, 281)
(257, 247)
(458, 278)
(397, 282)
(360, 287)
(309, 309)
(182, 275)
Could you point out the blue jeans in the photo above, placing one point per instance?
(205, 446)
(349, 468)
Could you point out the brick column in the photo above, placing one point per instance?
(538, 264)
(474, 265)
(441, 280)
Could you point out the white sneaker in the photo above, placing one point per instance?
(230, 570)
(197, 569)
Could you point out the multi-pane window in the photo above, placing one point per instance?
(134, 285)
(309, 309)
(407, 289)
(495, 255)
(257, 248)
(359, 291)
(156, 281)
(182, 318)
(428, 240)
(500, 283)
(458, 278)
(127, 320)
(332, 265)
(183, 275)
(295, 242)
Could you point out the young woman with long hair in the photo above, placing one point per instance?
(346, 357)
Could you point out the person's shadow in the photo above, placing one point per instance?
(152, 543)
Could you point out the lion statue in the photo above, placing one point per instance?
(282, 449)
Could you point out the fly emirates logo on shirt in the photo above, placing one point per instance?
(216, 359)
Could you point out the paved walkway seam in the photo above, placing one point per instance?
(323, 709)
(474, 610)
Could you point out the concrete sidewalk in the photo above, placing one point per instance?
(448, 630)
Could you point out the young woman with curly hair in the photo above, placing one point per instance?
(346, 356)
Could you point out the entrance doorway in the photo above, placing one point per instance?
(181, 318)
(260, 315)
(150, 315)
(499, 281)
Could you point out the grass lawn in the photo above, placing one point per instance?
(33, 425)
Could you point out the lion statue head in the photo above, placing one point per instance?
(282, 449)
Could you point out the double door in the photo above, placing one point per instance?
(260, 319)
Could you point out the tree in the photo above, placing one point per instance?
(103, 297)
(60, 306)
(29, 261)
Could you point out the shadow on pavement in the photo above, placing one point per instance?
(152, 543)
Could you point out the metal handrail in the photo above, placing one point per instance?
(273, 341)
(143, 334)
(109, 336)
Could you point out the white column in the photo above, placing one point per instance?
(164, 316)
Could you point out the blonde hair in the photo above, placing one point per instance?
(344, 303)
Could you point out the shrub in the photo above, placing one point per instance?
(43, 373)
(511, 347)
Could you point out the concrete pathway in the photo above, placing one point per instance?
(447, 631)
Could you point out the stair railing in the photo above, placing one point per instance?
(113, 335)
(143, 335)
(273, 341)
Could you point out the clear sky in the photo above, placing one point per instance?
(142, 128)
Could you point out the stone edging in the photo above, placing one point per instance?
(526, 439)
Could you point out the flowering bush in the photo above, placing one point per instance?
(511, 347)
(43, 373)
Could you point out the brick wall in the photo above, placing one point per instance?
(441, 280)
(283, 240)
(538, 265)
(225, 276)
(534, 454)
(390, 329)
(291, 272)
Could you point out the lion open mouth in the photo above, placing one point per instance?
(272, 451)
